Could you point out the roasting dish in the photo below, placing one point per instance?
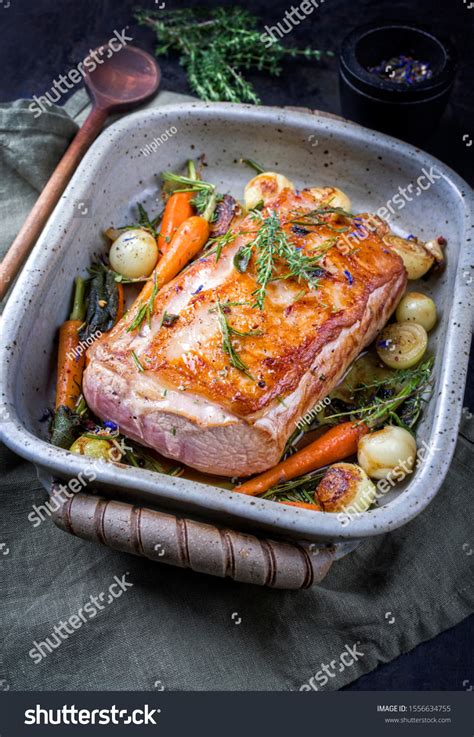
(368, 166)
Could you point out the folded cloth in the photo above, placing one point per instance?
(166, 628)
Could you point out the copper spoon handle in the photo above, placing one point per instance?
(46, 202)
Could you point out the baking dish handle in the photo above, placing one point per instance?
(186, 543)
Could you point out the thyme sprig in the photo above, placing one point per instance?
(396, 399)
(216, 46)
(271, 243)
(298, 490)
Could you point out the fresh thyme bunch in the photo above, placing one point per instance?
(215, 46)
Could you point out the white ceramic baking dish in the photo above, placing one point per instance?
(309, 149)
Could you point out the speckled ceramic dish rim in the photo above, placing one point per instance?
(208, 501)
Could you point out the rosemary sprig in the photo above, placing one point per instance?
(298, 490)
(217, 244)
(227, 331)
(397, 399)
(253, 165)
(136, 361)
(139, 458)
(216, 46)
(145, 310)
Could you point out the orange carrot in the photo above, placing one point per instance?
(121, 301)
(303, 505)
(177, 210)
(337, 443)
(70, 358)
(188, 240)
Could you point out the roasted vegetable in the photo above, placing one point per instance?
(402, 345)
(71, 356)
(416, 258)
(343, 486)
(435, 248)
(417, 307)
(98, 448)
(264, 187)
(337, 443)
(332, 197)
(225, 211)
(134, 253)
(103, 303)
(386, 452)
(177, 210)
(64, 427)
(188, 240)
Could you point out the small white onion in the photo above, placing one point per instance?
(332, 197)
(434, 248)
(419, 308)
(390, 452)
(416, 259)
(134, 253)
(401, 345)
(264, 187)
(345, 486)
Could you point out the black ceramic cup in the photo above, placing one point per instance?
(409, 110)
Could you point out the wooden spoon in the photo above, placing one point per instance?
(127, 78)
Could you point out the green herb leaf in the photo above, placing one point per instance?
(227, 347)
(145, 310)
(242, 259)
(137, 362)
(64, 427)
(217, 244)
(168, 319)
(102, 303)
(271, 243)
(217, 46)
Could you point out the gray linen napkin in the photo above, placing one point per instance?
(176, 630)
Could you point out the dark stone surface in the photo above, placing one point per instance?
(45, 38)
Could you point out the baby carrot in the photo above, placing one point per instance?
(70, 359)
(120, 302)
(188, 240)
(177, 210)
(303, 505)
(337, 443)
